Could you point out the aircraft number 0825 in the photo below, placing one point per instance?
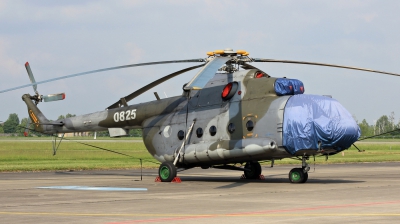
(125, 115)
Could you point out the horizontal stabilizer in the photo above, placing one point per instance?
(118, 132)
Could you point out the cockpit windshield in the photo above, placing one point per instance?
(206, 73)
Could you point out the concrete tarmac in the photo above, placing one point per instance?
(345, 193)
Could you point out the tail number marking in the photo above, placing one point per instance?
(125, 115)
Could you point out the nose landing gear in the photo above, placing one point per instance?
(167, 172)
(297, 175)
(300, 175)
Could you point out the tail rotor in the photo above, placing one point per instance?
(37, 97)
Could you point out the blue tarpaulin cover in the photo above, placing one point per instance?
(285, 86)
(311, 118)
(298, 87)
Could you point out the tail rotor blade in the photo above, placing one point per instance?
(30, 74)
(53, 97)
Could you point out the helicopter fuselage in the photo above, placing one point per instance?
(224, 116)
(245, 124)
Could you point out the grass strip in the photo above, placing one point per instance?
(38, 156)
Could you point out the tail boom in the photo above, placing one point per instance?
(35, 114)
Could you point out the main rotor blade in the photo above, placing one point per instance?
(322, 64)
(103, 70)
(248, 66)
(133, 95)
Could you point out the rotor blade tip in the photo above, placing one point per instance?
(63, 96)
(27, 63)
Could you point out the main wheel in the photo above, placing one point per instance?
(167, 172)
(255, 170)
(297, 175)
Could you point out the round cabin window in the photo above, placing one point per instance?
(181, 135)
(213, 130)
(199, 132)
(250, 125)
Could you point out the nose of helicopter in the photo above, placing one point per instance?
(311, 119)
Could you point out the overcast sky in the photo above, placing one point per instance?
(65, 37)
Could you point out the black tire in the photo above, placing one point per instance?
(305, 177)
(167, 172)
(297, 175)
(255, 170)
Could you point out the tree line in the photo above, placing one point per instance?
(14, 126)
(383, 125)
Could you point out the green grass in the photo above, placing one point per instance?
(381, 140)
(73, 138)
(18, 155)
(35, 156)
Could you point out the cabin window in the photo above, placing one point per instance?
(181, 135)
(213, 130)
(231, 128)
(250, 125)
(199, 132)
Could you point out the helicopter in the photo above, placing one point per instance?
(229, 113)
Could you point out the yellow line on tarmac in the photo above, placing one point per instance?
(98, 214)
(200, 215)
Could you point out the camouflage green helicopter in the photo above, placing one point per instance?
(229, 113)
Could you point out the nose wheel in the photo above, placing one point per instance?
(300, 175)
(167, 172)
(297, 175)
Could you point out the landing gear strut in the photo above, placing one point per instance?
(253, 170)
(300, 175)
(167, 172)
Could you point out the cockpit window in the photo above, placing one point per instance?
(206, 73)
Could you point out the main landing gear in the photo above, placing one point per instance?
(252, 170)
(300, 175)
(167, 172)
